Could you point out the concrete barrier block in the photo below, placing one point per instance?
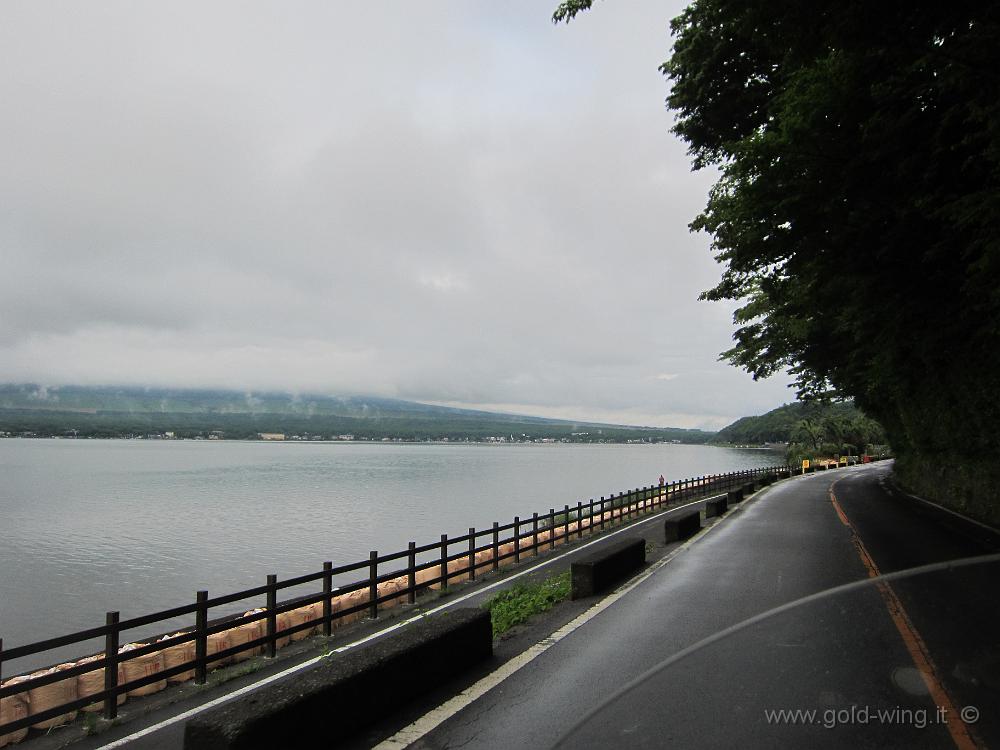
(346, 692)
(734, 497)
(715, 506)
(603, 569)
(749, 489)
(678, 527)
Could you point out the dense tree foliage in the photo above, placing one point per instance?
(814, 427)
(857, 212)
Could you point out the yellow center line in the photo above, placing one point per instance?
(914, 642)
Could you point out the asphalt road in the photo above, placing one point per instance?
(853, 658)
(856, 659)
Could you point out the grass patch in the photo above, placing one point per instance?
(518, 603)
(89, 724)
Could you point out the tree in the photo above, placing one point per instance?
(857, 213)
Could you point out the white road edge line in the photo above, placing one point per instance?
(346, 647)
(434, 718)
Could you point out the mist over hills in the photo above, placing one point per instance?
(108, 411)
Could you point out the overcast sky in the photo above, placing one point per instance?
(451, 202)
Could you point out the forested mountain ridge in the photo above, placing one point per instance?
(106, 411)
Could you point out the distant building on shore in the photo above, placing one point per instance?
(271, 435)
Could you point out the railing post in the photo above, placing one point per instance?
(566, 526)
(411, 573)
(373, 584)
(201, 639)
(110, 664)
(472, 553)
(1, 659)
(602, 512)
(534, 534)
(272, 618)
(517, 539)
(552, 528)
(444, 561)
(496, 545)
(327, 594)
(591, 517)
(579, 519)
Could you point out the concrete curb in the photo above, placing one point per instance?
(345, 693)
(716, 506)
(602, 570)
(681, 527)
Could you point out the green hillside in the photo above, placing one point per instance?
(28, 409)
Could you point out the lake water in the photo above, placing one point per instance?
(89, 526)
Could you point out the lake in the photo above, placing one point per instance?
(137, 526)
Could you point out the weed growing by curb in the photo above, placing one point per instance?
(518, 603)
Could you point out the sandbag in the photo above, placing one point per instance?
(338, 604)
(13, 708)
(429, 574)
(143, 666)
(506, 549)
(484, 561)
(346, 601)
(245, 633)
(298, 617)
(528, 548)
(49, 696)
(175, 656)
(91, 683)
(282, 621)
(454, 566)
(317, 615)
(390, 587)
(215, 643)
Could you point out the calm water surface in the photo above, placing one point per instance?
(90, 526)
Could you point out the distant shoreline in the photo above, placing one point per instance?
(375, 441)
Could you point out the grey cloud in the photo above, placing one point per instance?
(457, 203)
